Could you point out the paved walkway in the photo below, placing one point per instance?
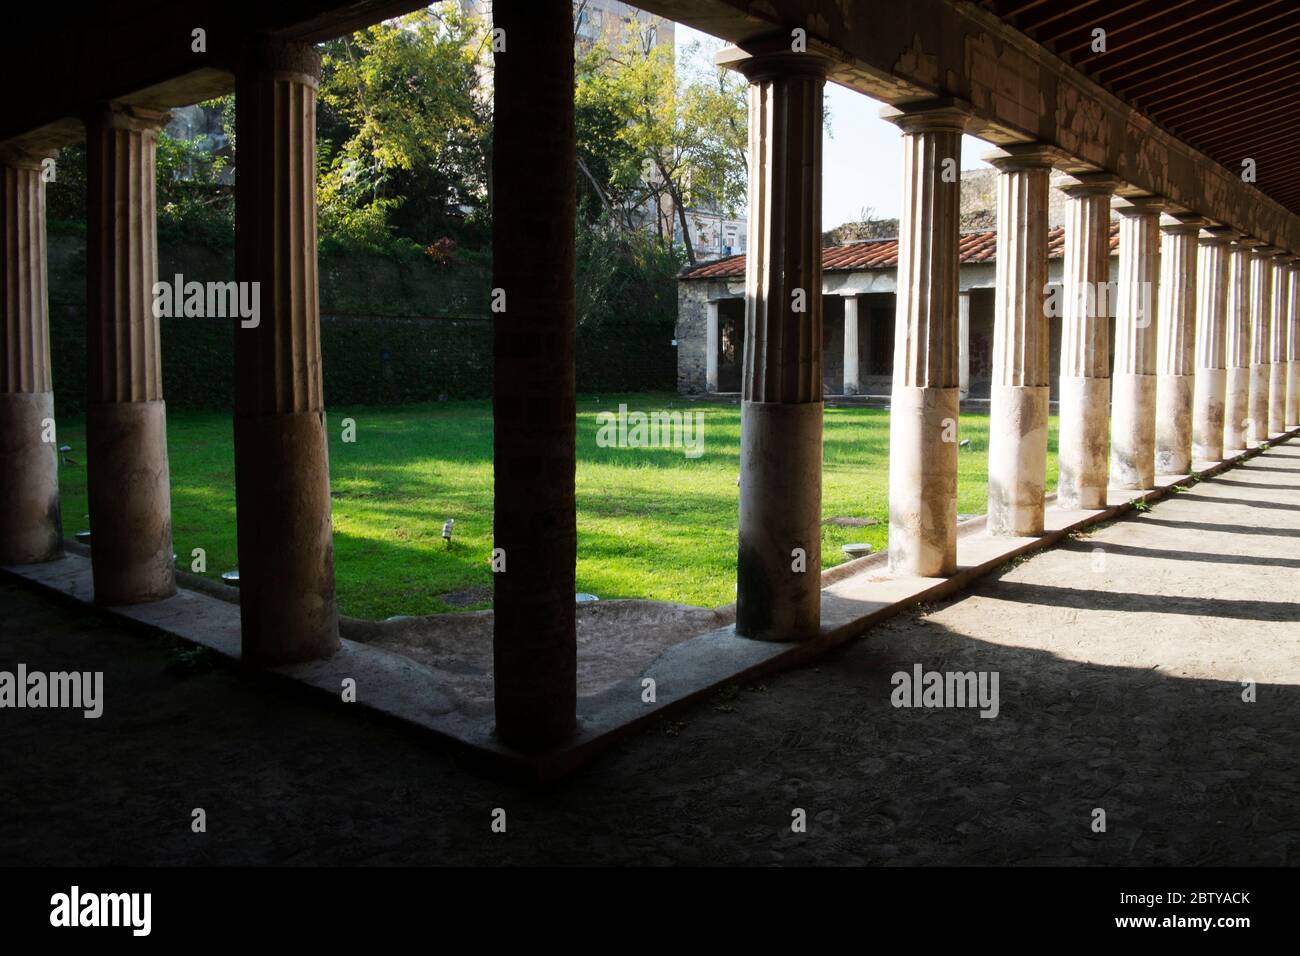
(1120, 658)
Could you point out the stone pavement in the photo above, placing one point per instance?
(1121, 657)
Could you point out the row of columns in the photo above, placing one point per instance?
(287, 603)
(288, 609)
(1206, 328)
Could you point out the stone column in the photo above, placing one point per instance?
(850, 345)
(963, 344)
(282, 491)
(128, 485)
(1236, 402)
(1277, 352)
(1176, 344)
(1261, 333)
(1133, 392)
(711, 347)
(1021, 339)
(1293, 350)
(778, 568)
(30, 528)
(1084, 411)
(534, 166)
(1211, 346)
(925, 400)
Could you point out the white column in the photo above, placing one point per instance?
(1277, 352)
(1261, 331)
(850, 345)
(1293, 349)
(711, 347)
(1021, 356)
(1133, 392)
(924, 401)
(778, 566)
(963, 344)
(1176, 344)
(1085, 343)
(1236, 401)
(1211, 346)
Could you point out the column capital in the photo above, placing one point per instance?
(17, 156)
(1214, 234)
(1137, 206)
(1182, 224)
(945, 114)
(772, 58)
(1017, 156)
(115, 115)
(1090, 184)
(1266, 252)
(291, 58)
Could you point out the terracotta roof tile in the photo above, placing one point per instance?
(974, 247)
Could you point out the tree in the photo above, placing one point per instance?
(404, 128)
(653, 142)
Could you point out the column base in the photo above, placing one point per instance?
(780, 510)
(1208, 414)
(1174, 424)
(1017, 459)
(923, 481)
(1236, 409)
(129, 491)
(850, 388)
(1257, 415)
(1292, 395)
(1083, 443)
(30, 527)
(1277, 398)
(1133, 432)
(287, 604)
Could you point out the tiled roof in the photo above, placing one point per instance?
(975, 247)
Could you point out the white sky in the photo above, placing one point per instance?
(862, 154)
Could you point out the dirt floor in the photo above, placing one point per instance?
(1120, 659)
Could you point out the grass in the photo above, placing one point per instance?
(652, 523)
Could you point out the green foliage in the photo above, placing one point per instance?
(403, 126)
(624, 273)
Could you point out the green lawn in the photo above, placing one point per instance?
(652, 523)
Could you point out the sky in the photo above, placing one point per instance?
(862, 154)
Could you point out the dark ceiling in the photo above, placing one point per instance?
(1222, 75)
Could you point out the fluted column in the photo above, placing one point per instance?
(1211, 346)
(1293, 350)
(711, 346)
(851, 345)
(1261, 341)
(1084, 411)
(128, 485)
(1133, 392)
(778, 566)
(534, 639)
(1236, 402)
(282, 494)
(1277, 353)
(963, 344)
(925, 400)
(30, 526)
(1176, 344)
(1021, 337)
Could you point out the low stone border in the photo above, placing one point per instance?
(856, 596)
